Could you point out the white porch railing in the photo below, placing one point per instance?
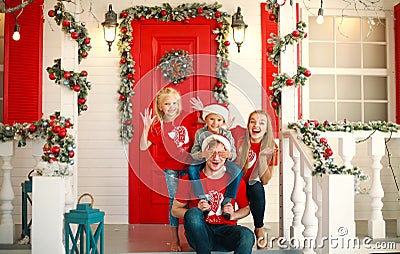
(309, 195)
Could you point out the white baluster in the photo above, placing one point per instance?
(309, 220)
(6, 194)
(298, 197)
(37, 150)
(376, 224)
(347, 149)
(317, 196)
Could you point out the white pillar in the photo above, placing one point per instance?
(7, 194)
(347, 148)
(376, 224)
(37, 150)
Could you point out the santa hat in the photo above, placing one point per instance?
(218, 109)
(220, 138)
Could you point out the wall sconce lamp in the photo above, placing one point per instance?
(110, 26)
(16, 35)
(239, 28)
(320, 18)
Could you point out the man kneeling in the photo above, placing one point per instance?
(210, 231)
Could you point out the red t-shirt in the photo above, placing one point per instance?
(252, 158)
(172, 141)
(214, 189)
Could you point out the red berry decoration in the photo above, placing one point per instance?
(65, 22)
(62, 133)
(124, 14)
(129, 76)
(32, 128)
(128, 122)
(124, 30)
(74, 35)
(122, 61)
(81, 101)
(306, 124)
(163, 12)
(51, 13)
(272, 17)
(296, 33)
(227, 43)
(290, 82)
(142, 18)
(328, 152)
(307, 73)
(84, 73)
(323, 140)
(122, 97)
(56, 129)
(84, 55)
(270, 49)
(219, 84)
(67, 75)
(67, 124)
(200, 10)
(225, 64)
(220, 25)
(52, 76)
(55, 150)
(218, 14)
(305, 35)
(86, 41)
(275, 104)
(77, 88)
(71, 154)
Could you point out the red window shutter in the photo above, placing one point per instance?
(23, 65)
(397, 58)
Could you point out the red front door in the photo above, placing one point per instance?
(148, 196)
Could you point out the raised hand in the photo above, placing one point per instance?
(147, 118)
(196, 103)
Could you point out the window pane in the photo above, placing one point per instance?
(374, 56)
(376, 32)
(351, 111)
(317, 60)
(348, 55)
(322, 32)
(375, 111)
(322, 87)
(349, 87)
(348, 29)
(375, 88)
(322, 110)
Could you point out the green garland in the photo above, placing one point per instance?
(73, 80)
(282, 80)
(76, 30)
(309, 133)
(59, 144)
(176, 66)
(182, 13)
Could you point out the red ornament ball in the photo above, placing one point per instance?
(32, 128)
(71, 154)
(323, 140)
(74, 35)
(128, 122)
(186, 21)
(306, 124)
(84, 55)
(225, 64)
(227, 43)
(51, 13)
(124, 30)
(65, 22)
(219, 84)
(77, 88)
(55, 150)
(275, 104)
(220, 25)
(270, 49)
(62, 133)
(290, 82)
(142, 18)
(86, 41)
(84, 73)
(163, 12)
(122, 97)
(200, 10)
(272, 17)
(328, 152)
(307, 73)
(67, 75)
(56, 129)
(122, 61)
(81, 101)
(218, 14)
(124, 14)
(296, 33)
(52, 76)
(129, 76)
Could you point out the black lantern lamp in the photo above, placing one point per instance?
(239, 28)
(110, 26)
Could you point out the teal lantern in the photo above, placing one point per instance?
(91, 241)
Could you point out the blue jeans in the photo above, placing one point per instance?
(256, 195)
(204, 237)
(172, 178)
(233, 170)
